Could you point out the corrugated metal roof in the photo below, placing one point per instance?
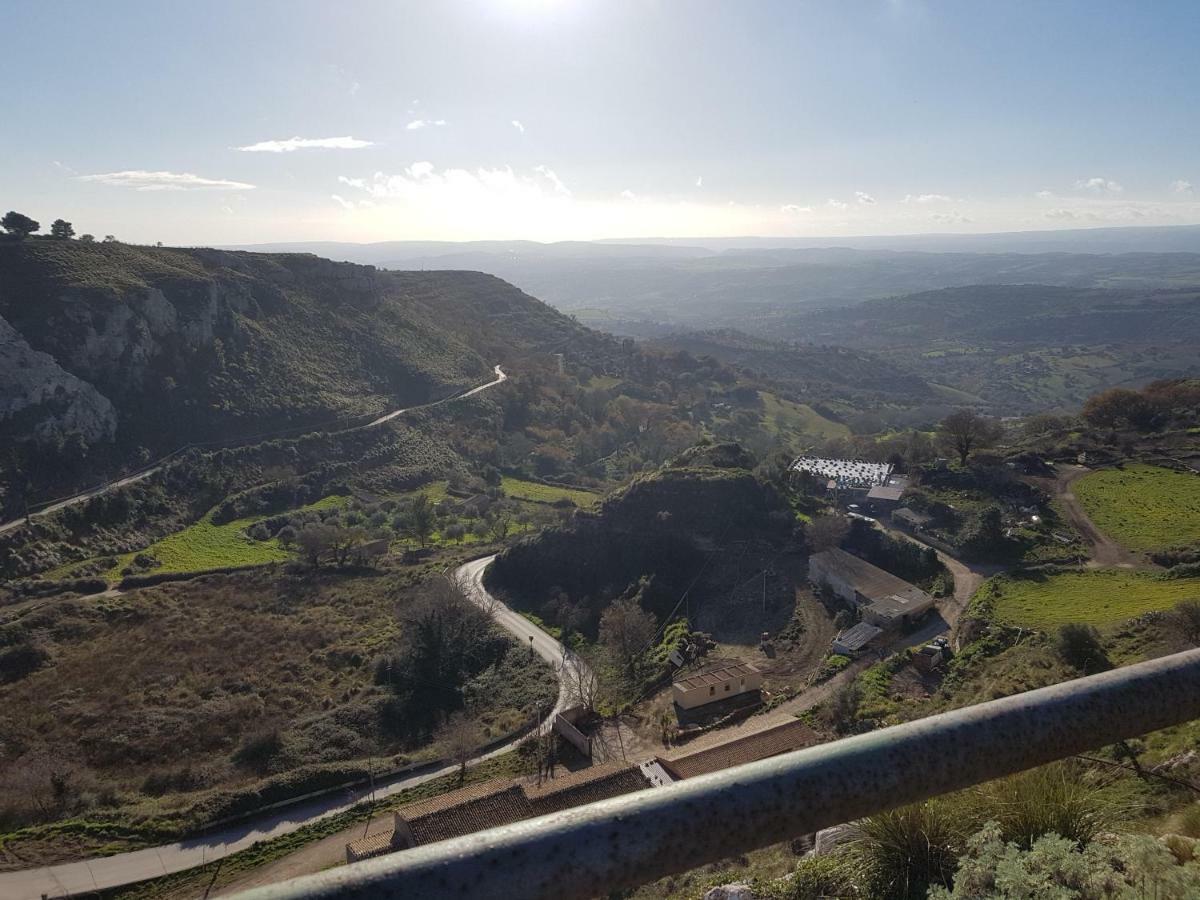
(858, 636)
(870, 581)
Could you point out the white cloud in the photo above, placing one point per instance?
(298, 143)
(63, 168)
(925, 199)
(516, 123)
(1068, 215)
(699, 181)
(1045, 195)
(835, 204)
(141, 180)
(1098, 185)
(792, 209)
(548, 173)
(628, 194)
(1179, 186)
(342, 201)
(417, 124)
(864, 199)
(950, 218)
(354, 89)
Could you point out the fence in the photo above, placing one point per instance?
(634, 839)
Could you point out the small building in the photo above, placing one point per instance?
(910, 518)
(852, 640)
(929, 657)
(716, 685)
(884, 498)
(789, 736)
(884, 599)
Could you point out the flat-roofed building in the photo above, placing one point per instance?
(853, 639)
(789, 736)
(716, 685)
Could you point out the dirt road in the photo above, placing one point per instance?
(1105, 553)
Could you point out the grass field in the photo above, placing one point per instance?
(1097, 598)
(1143, 507)
(534, 492)
(785, 417)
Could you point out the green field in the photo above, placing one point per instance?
(1143, 507)
(534, 492)
(785, 417)
(1101, 597)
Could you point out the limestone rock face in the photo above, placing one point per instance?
(38, 396)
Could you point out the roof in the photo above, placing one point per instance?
(870, 581)
(858, 636)
(912, 515)
(904, 603)
(374, 845)
(847, 472)
(761, 745)
(585, 786)
(885, 492)
(488, 804)
(716, 676)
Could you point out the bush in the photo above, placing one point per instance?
(258, 750)
(21, 660)
(1079, 646)
(907, 851)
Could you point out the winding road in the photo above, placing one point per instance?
(157, 467)
(66, 879)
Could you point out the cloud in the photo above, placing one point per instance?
(950, 218)
(141, 180)
(792, 209)
(63, 168)
(1068, 215)
(354, 89)
(628, 194)
(836, 204)
(927, 198)
(417, 124)
(699, 181)
(864, 199)
(1045, 195)
(351, 204)
(516, 123)
(1179, 186)
(1098, 185)
(548, 173)
(298, 143)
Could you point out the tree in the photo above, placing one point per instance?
(315, 542)
(459, 738)
(626, 630)
(18, 225)
(343, 543)
(87, 238)
(965, 431)
(826, 532)
(110, 239)
(421, 519)
(61, 230)
(581, 684)
(1119, 407)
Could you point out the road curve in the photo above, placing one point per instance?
(146, 473)
(83, 876)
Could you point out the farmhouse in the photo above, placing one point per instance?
(885, 600)
(716, 685)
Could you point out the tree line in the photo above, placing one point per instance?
(18, 226)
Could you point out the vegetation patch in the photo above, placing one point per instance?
(535, 492)
(1097, 598)
(1143, 507)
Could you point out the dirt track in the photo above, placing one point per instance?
(1105, 553)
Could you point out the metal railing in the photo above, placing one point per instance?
(637, 838)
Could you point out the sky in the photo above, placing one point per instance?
(243, 122)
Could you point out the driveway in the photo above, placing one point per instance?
(1105, 553)
(88, 875)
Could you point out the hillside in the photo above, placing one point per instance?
(649, 541)
(121, 353)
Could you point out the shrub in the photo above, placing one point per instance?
(258, 750)
(18, 661)
(1079, 646)
(907, 851)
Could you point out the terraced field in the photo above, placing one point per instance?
(1100, 597)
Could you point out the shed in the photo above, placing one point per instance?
(885, 599)
(911, 518)
(716, 684)
(853, 639)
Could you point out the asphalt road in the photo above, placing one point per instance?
(146, 473)
(66, 879)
